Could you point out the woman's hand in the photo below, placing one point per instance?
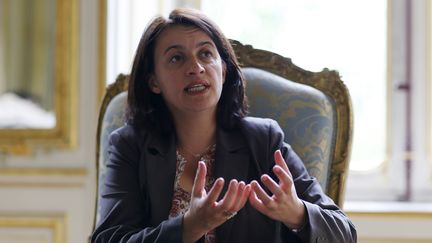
(205, 212)
(284, 205)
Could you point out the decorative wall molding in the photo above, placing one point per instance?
(28, 223)
(43, 177)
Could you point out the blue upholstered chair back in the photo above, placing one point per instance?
(305, 115)
(313, 109)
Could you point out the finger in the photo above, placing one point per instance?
(243, 199)
(256, 202)
(199, 181)
(261, 194)
(272, 186)
(228, 200)
(285, 181)
(215, 191)
(240, 189)
(280, 160)
(240, 195)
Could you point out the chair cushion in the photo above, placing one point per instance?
(305, 114)
(112, 119)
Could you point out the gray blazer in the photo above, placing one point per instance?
(137, 193)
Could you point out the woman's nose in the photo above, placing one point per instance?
(195, 67)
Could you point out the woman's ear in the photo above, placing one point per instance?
(153, 84)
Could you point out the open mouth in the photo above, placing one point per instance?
(195, 88)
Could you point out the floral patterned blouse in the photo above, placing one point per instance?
(181, 198)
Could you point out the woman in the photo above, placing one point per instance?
(186, 166)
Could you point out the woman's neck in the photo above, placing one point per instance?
(196, 133)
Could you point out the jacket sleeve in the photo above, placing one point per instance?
(325, 221)
(124, 208)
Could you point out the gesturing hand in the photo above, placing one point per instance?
(205, 212)
(283, 205)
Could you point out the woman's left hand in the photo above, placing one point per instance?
(283, 205)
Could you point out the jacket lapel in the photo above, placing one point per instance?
(231, 162)
(161, 170)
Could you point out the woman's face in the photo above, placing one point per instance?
(189, 72)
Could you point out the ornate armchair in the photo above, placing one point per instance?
(313, 109)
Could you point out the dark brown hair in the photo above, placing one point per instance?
(148, 109)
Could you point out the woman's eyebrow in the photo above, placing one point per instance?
(180, 47)
(173, 47)
(203, 43)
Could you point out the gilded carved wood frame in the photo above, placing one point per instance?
(64, 134)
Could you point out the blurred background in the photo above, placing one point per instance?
(57, 56)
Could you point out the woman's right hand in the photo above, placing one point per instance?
(205, 212)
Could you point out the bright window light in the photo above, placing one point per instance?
(346, 36)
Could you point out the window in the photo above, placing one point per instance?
(371, 45)
(126, 20)
(317, 34)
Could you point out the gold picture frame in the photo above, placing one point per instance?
(66, 49)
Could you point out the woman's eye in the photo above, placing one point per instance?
(175, 59)
(207, 54)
